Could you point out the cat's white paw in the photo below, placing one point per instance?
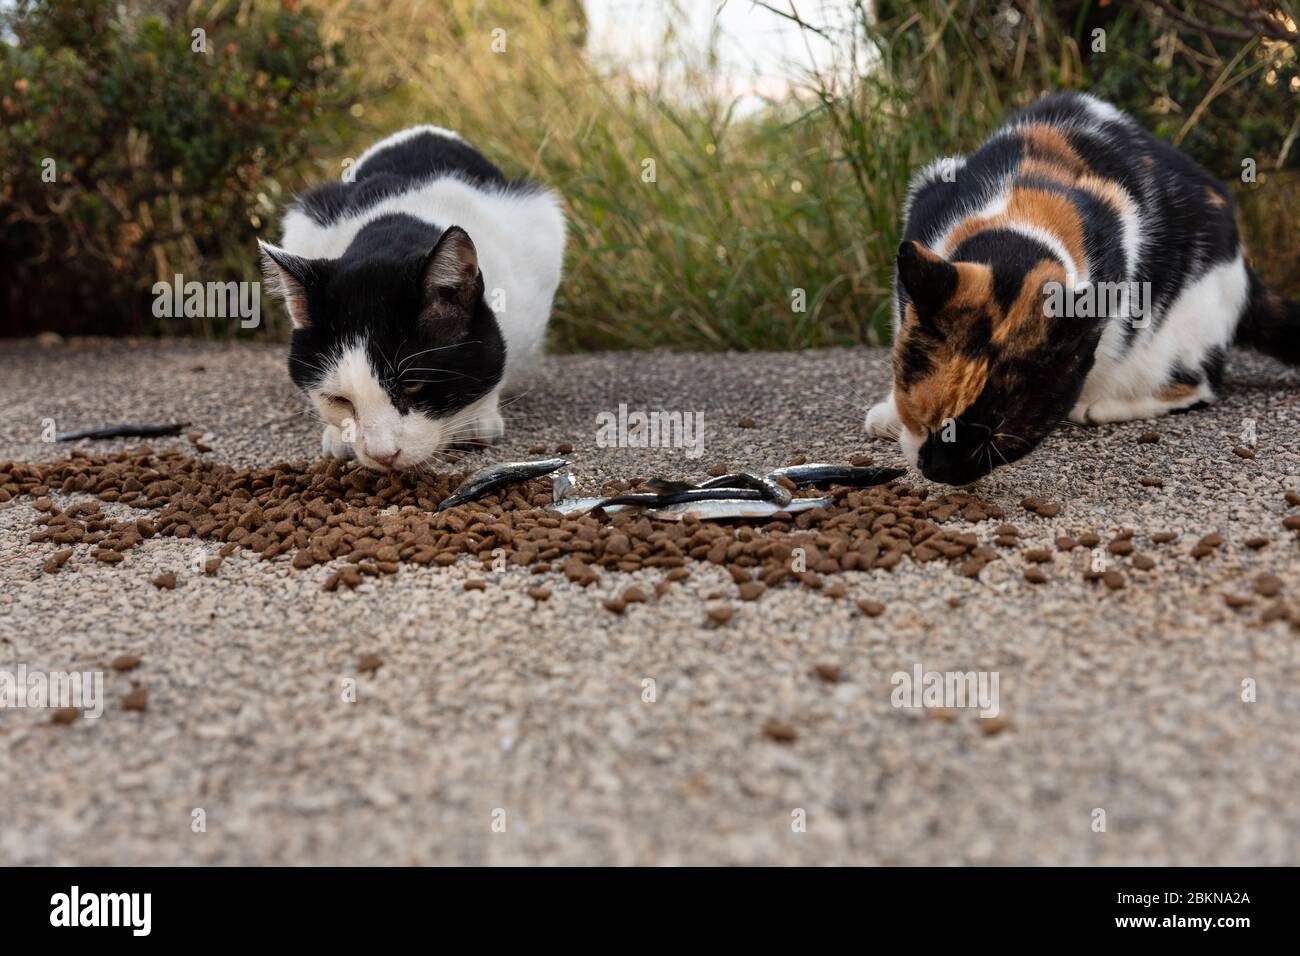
(1107, 410)
(882, 419)
(332, 444)
(490, 427)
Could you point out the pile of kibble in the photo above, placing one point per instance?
(324, 511)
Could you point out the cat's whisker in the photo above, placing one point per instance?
(411, 358)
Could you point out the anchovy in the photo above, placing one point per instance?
(723, 509)
(498, 476)
(579, 506)
(651, 500)
(770, 490)
(823, 474)
(124, 431)
(744, 479)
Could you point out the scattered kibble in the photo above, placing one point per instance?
(1268, 585)
(136, 699)
(994, 725)
(781, 732)
(719, 613)
(830, 673)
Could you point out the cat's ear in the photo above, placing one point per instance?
(288, 276)
(930, 280)
(450, 272)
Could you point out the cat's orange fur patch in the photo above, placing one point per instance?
(1024, 327)
(1031, 166)
(1050, 143)
(1176, 392)
(945, 393)
(1108, 191)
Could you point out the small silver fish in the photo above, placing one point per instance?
(770, 490)
(580, 506)
(498, 476)
(718, 510)
(825, 474)
(744, 479)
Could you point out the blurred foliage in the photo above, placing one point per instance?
(749, 214)
(161, 125)
(752, 211)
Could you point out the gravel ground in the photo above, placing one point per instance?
(498, 730)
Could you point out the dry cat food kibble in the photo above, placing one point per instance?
(1045, 509)
(780, 731)
(367, 525)
(331, 511)
(1241, 451)
(719, 613)
(1268, 585)
(137, 699)
(830, 673)
(1148, 438)
(125, 662)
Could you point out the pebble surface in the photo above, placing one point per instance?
(657, 733)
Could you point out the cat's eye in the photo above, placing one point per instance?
(411, 389)
(338, 401)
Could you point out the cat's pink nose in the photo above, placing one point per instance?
(387, 460)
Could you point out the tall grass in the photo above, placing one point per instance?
(747, 216)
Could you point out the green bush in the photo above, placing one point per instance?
(143, 140)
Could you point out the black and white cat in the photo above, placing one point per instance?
(419, 288)
(1069, 199)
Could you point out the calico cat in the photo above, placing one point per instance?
(419, 288)
(1073, 266)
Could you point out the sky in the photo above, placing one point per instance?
(761, 54)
